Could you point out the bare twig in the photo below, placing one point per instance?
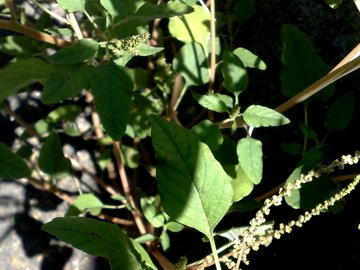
(127, 191)
(28, 31)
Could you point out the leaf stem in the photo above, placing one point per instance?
(214, 252)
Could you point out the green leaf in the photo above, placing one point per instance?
(72, 5)
(146, 50)
(121, 7)
(83, 203)
(301, 64)
(250, 155)
(260, 116)
(194, 188)
(190, 62)
(112, 89)
(63, 113)
(65, 83)
(51, 159)
(150, 208)
(243, 10)
(234, 73)
(294, 149)
(249, 59)
(77, 53)
(215, 102)
(21, 73)
(340, 113)
(11, 165)
(150, 11)
(193, 27)
(242, 185)
(209, 133)
(101, 238)
(308, 131)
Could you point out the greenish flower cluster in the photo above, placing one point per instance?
(130, 44)
(251, 241)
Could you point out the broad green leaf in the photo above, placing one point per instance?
(11, 165)
(192, 27)
(121, 7)
(63, 113)
(191, 63)
(146, 50)
(340, 113)
(243, 9)
(143, 13)
(51, 159)
(308, 131)
(112, 89)
(209, 133)
(83, 203)
(250, 155)
(101, 238)
(234, 73)
(294, 149)
(72, 5)
(81, 51)
(215, 102)
(65, 83)
(242, 185)
(260, 116)
(194, 188)
(301, 64)
(249, 59)
(21, 73)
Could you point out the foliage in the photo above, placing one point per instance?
(134, 74)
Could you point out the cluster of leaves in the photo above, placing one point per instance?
(201, 172)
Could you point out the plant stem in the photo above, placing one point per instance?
(126, 187)
(75, 26)
(214, 252)
(213, 47)
(27, 31)
(51, 13)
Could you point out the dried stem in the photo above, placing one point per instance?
(127, 191)
(28, 31)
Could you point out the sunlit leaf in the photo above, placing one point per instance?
(72, 5)
(242, 185)
(192, 27)
(193, 187)
(260, 116)
(83, 203)
(101, 238)
(249, 59)
(215, 102)
(190, 62)
(11, 165)
(64, 113)
(250, 155)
